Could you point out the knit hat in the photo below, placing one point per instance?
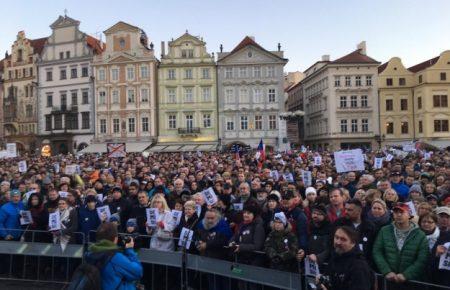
(415, 188)
(90, 198)
(115, 218)
(310, 190)
(275, 192)
(132, 223)
(14, 192)
(279, 216)
(274, 197)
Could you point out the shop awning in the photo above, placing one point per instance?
(136, 146)
(206, 147)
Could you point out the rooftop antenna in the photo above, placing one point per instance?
(65, 12)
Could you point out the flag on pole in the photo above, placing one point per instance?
(262, 154)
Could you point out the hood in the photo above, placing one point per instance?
(103, 246)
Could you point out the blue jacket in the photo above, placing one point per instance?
(299, 223)
(88, 221)
(401, 189)
(122, 271)
(9, 219)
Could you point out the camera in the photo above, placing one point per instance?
(126, 238)
(324, 280)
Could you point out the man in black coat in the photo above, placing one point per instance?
(347, 268)
(120, 205)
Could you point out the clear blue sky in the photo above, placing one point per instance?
(411, 29)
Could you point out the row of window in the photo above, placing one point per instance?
(131, 125)
(354, 125)
(358, 81)
(55, 122)
(188, 74)
(354, 102)
(439, 101)
(439, 126)
(257, 95)
(402, 81)
(73, 95)
(131, 97)
(188, 121)
(20, 73)
(316, 87)
(27, 128)
(188, 95)
(63, 73)
(130, 73)
(248, 72)
(257, 123)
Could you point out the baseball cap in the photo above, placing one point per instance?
(443, 210)
(401, 206)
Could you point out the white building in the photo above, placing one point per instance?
(251, 95)
(65, 96)
(341, 102)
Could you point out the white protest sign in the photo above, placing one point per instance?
(238, 206)
(25, 217)
(427, 155)
(70, 169)
(176, 216)
(22, 166)
(56, 167)
(54, 221)
(412, 208)
(275, 175)
(409, 148)
(389, 157)
(257, 155)
(349, 160)
(152, 217)
(11, 150)
(444, 261)
(104, 213)
(185, 238)
(317, 160)
(378, 163)
(100, 197)
(311, 268)
(288, 177)
(27, 194)
(63, 193)
(210, 196)
(307, 178)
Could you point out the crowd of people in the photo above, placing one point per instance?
(397, 216)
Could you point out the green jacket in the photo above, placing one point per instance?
(281, 248)
(409, 261)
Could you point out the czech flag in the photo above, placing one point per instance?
(262, 153)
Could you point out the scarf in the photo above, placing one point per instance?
(432, 237)
(379, 221)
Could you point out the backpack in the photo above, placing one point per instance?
(88, 276)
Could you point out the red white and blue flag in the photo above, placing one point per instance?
(261, 154)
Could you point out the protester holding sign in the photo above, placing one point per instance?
(189, 220)
(162, 234)
(10, 228)
(39, 216)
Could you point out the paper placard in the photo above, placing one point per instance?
(29, 193)
(238, 206)
(311, 268)
(412, 208)
(25, 217)
(11, 150)
(152, 217)
(104, 212)
(307, 177)
(444, 260)
(22, 166)
(427, 155)
(56, 167)
(54, 221)
(176, 216)
(378, 163)
(317, 160)
(185, 238)
(275, 175)
(70, 169)
(288, 177)
(210, 196)
(349, 160)
(63, 194)
(100, 197)
(409, 148)
(389, 157)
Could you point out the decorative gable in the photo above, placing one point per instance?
(121, 26)
(64, 21)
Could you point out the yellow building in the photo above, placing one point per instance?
(414, 101)
(187, 96)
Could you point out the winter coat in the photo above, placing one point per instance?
(435, 275)
(9, 220)
(139, 213)
(39, 215)
(191, 223)
(380, 221)
(350, 271)
(409, 261)
(250, 237)
(121, 206)
(281, 248)
(401, 189)
(268, 218)
(216, 238)
(299, 223)
(319, 237)
(88, 222)
(162, 238)
(123, 269)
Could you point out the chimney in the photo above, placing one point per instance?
(279, 46)
(221, 48)
(362, 47)
(163, 48)
(326, 57)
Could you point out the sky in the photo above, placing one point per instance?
(410, 29)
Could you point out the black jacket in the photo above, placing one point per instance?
(250, 238)
(121, 206)
(191, 224)
(350, 271)
(435, 275)
(139, 213)
(319, 237)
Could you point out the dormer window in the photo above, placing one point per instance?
(122, 43)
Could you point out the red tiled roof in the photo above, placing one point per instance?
(423, 65)
(38, 44)
(354, 57)
(382, 67)
(246, 42)
(94, 43)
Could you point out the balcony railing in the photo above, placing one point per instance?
(65, 108)
(189, 131)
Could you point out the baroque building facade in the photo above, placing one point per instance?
(19, 104)
(251, 95)
(125, 90)
(187, 96)
(65, 101)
